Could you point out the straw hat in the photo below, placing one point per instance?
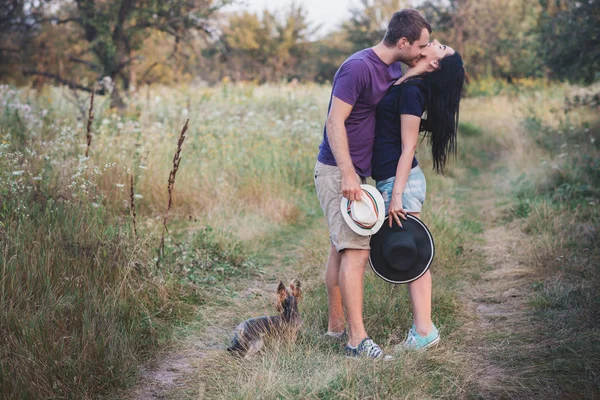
(366, 216)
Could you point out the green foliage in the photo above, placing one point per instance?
(496, 39)
(328, 54)
(502, 43)
(469, 129)
(112, 32)
(490, 86)
(570, 46)
(209, 258)
(574, 180)
(267, 48)
(368, 22)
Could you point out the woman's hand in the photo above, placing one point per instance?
(396, 211)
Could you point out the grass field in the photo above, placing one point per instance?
(84, 302)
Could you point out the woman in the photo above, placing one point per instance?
(433, 87)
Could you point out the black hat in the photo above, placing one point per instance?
(402, 254)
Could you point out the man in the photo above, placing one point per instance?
(345, 160)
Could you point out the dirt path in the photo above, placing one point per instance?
(175, 371)
(170, 372)
(497, 301)
(495, 305)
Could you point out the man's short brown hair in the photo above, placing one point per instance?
(405, 23)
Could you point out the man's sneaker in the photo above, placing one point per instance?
(367, 348)
(341, 336)
(414, 341)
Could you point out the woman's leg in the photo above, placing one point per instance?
(420, 295)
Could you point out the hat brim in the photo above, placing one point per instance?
(423, 241)
(380, 206)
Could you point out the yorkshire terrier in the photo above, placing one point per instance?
(249, 336)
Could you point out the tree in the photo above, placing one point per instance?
(269, 47)
(571, 45)
(368, 22)
(494, 38)
(114, 31)
(17, 23)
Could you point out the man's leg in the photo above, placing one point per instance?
(420, 295)
(337, 321)
(351, 278)
(345, 269)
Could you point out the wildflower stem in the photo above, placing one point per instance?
(132, 206)
(176, 162)
(89, 123)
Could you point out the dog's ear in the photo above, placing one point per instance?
(282, 293)
(296, 288)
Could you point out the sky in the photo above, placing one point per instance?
(329, 13)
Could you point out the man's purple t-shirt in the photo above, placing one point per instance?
(361, 81)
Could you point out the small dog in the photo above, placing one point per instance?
(248, 337)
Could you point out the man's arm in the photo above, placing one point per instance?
(338, 141)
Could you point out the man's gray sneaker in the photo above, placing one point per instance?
(367, 348)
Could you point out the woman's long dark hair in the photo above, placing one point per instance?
(443, 94)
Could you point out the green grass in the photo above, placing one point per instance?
(316, 368)
(83, 302)
(469, 129)
(80, 299)
(559, 210)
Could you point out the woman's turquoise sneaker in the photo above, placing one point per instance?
(414, 341)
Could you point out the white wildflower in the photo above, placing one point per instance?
(120, 185)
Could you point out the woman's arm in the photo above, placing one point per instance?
(409, 131)
(419, 69)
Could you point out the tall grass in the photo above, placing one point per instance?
(545, 173)
(315, 368)
(560, 210)
(82, 302)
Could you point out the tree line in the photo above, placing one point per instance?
(137, 42)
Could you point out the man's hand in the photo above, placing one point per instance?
(396, 211)
(351, 186)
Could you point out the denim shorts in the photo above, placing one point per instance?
(413, 195)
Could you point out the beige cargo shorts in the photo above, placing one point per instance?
(328, 182)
